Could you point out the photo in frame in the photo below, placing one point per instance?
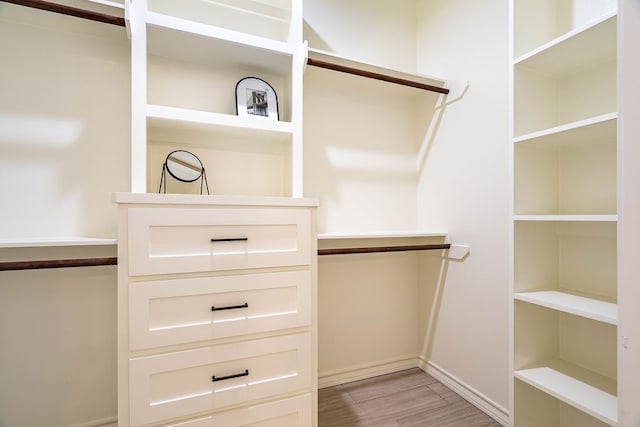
(256, 97)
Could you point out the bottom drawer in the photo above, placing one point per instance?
(291, 412)
(178, 384)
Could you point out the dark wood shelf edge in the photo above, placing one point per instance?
(57, 263)
(70, 11)
(376, 76)
(374, 249)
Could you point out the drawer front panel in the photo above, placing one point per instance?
(183, 240)
(178, 384)
(291, 412)
(177, 311)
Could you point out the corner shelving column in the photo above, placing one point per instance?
(186, 61)
(563, 134)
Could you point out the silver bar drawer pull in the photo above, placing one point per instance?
(228, 377)
(229, 307)
(230, 239)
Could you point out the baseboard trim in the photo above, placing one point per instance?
(103, 422)
(342, 376)
(473, 396)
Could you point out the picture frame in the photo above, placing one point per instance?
(257, 98)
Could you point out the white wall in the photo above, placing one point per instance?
(376, 31)
(64, 149)
(58, 334)
(64, 123)
(465, 187)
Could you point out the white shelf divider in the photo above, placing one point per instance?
(590, 308)
(41, 242)
(593, 128)
(567, 218)
(160, 113)
(589, 399)
(383, 235)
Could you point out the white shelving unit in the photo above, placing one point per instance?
(565, 314)
(186, 61)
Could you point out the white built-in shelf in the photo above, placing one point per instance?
(580, 394)
(383, 235)
(567, 218)
(55, 242)
(171, 124)
(590, 308)
(601, 127)
(584, 46)
(193, 42)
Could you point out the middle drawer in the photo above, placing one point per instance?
(177, 311)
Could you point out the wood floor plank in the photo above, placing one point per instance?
(386, 410)
(387, 384)
(408, 398)
(456, 414)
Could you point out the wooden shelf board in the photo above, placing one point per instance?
(165, 122)
(584, 46)
(168, 37)
(322, 55)
(586, 307)
(197, 199)
(567, 218)
(587, 398)
(384, 235)
(55, 242)
(601, 127)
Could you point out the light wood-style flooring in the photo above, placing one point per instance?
(401, 399)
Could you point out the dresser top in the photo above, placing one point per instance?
(196, 199)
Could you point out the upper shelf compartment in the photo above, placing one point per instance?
(269, 19)
(196, 67)
(537, 23)
(578, 49)
(182, 40)
(570, 79)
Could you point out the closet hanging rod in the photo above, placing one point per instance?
(96, 262)
(374, 249)
(376, 76)
(71, 11)
(57, 263)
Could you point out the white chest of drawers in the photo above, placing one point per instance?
(216, 311)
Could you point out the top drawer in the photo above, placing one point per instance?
(184, 240)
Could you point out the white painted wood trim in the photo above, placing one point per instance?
(473, 396)
(101, 422)
(361, 372)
